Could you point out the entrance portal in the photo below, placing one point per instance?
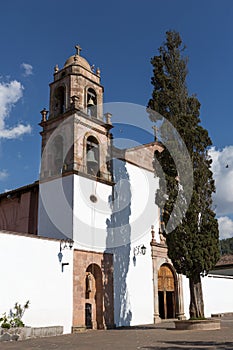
(166, 292)
(94, 297)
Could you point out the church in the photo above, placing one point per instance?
(83, 243)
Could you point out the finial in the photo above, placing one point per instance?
(153, 233)
(78, 49)
(44, 113)
(98, 72)
(56, 68)
(108, 117)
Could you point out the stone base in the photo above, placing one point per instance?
(157, 319)
(207, 324)
(181, 317)
(78, 329)
(22, 333)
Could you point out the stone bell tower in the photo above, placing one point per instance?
(76, 141)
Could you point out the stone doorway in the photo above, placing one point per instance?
(94, 297)
(166, 292)
(93, 305)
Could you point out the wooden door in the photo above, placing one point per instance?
(166, 292)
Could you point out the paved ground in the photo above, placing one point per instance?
(163, 336)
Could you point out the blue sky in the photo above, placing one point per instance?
(120, 37)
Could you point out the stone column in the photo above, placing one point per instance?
(155, 286)
(180, 299)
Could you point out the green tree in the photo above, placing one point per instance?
(226, 246)
(193, 243)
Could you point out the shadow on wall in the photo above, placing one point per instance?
(118, 241)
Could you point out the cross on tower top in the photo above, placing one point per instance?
(78, 49)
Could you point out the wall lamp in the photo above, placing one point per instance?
(139, 250)
(66, 243)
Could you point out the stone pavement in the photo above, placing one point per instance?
(154, 337)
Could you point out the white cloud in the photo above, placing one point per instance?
(27, 69)
(3, 175)
(225, 227)
(222, 168)
(15, 132)
(10, 93)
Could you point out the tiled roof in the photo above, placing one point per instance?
(225, 260)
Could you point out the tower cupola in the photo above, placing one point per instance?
(76, 85)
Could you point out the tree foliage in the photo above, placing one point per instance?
(193, 244)
(226, 246)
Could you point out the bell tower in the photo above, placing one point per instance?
(82, 141)
(76, 150)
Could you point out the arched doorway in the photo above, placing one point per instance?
(166, 292)
(94, 297)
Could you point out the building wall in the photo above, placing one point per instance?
(55, 214)
(117, 223)
(217, 294)
(18, 210)
(134, 211)
(30, 270)
(90, 219)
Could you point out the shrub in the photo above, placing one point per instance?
(14, 319)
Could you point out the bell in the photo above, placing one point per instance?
(90, 102)
(91, 157)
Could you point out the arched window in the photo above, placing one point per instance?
(57, 154)
(92, 156)
(60, 100)
(91, 103)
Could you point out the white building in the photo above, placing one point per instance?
(83, 243)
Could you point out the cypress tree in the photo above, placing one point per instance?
(193, 241)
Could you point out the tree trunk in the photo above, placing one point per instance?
(196, 307)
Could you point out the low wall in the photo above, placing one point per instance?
(22, 333)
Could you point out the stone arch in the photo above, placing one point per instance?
(91, 101)
(60, 100)
(94, 297)
(57, 154)
(92, 155)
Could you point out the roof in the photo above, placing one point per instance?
(225, 260)
(20, 190)
(77, 60)
(224, 267)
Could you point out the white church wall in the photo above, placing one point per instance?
(55, 213)
(135, 212)
(30, 270)
(217, 294)
(90, 220)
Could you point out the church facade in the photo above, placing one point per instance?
(84, 240)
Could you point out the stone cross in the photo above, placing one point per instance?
(78, 49)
